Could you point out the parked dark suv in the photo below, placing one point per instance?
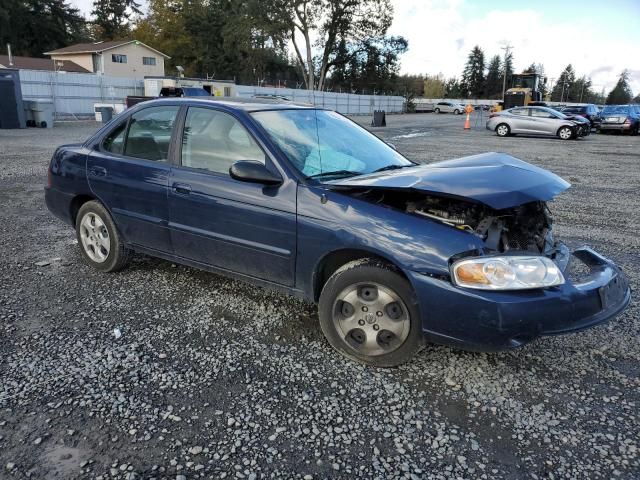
(589, 111)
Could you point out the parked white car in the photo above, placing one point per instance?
(449, 107)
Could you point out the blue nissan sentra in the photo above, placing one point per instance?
(304, 200)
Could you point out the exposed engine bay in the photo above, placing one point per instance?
(524, 228)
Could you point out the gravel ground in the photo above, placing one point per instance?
(213, 378)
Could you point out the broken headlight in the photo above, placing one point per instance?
(506, 273)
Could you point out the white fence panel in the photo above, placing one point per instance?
(76, 93)
(347, 103)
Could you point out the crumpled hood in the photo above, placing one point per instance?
(495, 179)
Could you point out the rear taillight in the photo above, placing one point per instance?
(627, 121)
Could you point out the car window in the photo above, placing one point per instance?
(318, 142)
(615, 109)
(541, 113)
(114, 142)
(214, 140)
(150, 133)
(519, 111)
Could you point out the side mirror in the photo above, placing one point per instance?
(253, 171)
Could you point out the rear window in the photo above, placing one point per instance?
(620, 109)
(575, 109)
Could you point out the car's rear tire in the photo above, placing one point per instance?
(368, 312)
(437, 110)
(100, 242)
(503, 130)
(565, 133)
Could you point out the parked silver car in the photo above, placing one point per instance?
(449, 107)
(533, 121)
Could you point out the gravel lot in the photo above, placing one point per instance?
(215, 378)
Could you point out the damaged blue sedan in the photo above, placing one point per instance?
(304, 200)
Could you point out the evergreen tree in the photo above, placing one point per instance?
(452, 88)
(473, 75)
(580, 91)
(493, 82)
(33, 27)
(621, 93)
(112, 18)
(562, 88)
(506, 71)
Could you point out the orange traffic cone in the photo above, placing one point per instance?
(467, 123)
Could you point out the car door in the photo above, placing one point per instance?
(129, 173)
(246, 228)
(544, 122)
(519, 120)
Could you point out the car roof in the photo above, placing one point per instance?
(237, 103)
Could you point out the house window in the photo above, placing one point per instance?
(116, 58)
(149, 61)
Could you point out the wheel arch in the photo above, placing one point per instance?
(335, 259)
(76, 205)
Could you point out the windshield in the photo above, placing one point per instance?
(322, 143)
(616, 109)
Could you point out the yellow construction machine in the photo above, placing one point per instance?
(526, 89)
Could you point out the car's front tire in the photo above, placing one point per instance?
(100, 243)
(565, 133)
(456, 111)
(369, 313)
(503, 130)
(437, 110)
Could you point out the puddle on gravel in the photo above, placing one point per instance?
(411, 135)
(63, 461)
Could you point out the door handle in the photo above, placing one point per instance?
(98, 171)
(182, 188)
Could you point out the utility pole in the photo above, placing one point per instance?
(507, 49)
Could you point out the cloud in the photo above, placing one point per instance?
(441, 34)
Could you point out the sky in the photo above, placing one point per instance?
(599, 38)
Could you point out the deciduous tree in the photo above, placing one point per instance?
(342, 29)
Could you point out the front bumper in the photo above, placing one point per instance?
(491, 321)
